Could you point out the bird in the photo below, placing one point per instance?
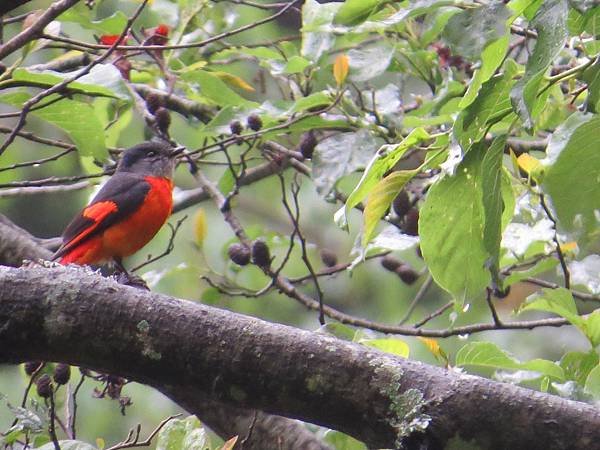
(128, 210)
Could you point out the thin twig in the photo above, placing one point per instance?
(133, 441)
(170, 245)
(433, 315)
(488, 299)
(561, 256)
(51, 428)
(418, 296)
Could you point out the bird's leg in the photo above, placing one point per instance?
(127, 278)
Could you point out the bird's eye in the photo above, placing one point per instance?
(151, 153)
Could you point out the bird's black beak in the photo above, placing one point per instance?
(177, 151)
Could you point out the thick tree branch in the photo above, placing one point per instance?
(72, 315)
(32, 32)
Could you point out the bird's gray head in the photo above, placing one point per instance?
(152, 158)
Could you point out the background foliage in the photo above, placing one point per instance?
(443, 174)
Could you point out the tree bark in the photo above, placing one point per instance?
(72, 315)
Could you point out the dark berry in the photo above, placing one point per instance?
(411, 222)
(254, 122)
(501, 293)
(153, 102)
(308, 142)
(328, 257)
(44, 386)
(2, 68)
(260, 254)
(163, 119)
(31, 367)
(62, 373)
(401, 203)
(407, 274)
(239, 254)
(236, 127)
(390, 263)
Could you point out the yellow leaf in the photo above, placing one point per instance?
(433, 346)
(340, 69)
(200, 227)
(569, 247)
(234, 80)
(197, 65)
(381, 197)
(388, 345)
(100, 443)
(532, 166)
(230, 443)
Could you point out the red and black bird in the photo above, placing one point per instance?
(127, 212)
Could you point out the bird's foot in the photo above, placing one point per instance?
(131, 280)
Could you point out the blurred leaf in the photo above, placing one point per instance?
(68, 445)
(354, 11)
(213, 88)
(592, 383)
(316, 38)
(341, 441)
(380, 198)
(200, 226)
(491, 105)
(316, 99)
(80, 14)
(550, 22)
(385, 158)
(388, 345)
(586, 273)
(340, 69)
(491, 185)
(468, 32)
(340, 155)
(540, 267)
(434, 348)
(234, 80)
(558, 301)
(577, 365)
(104, 80)
(530, 165)
(518, 237)
(338, 330)
(573, 157)
(451, 226)
(296, 64)
(488, 354)
(491, 58)
(230, 443)
(369, 62)
(87, 134)
(182, 434)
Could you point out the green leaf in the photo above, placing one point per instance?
(338, 330)
(341, 441)
(451, 225)
(573, 155)
(385, 158)
(592, 328)
(296, 64)
(550, 22)
(68, 445)
(77, 119)
(380, 198)
(354, 11)
(104, 80)
(388, 345)
(468, 32)
(488, 354)
(491, 105)
(491, 176)
(113, 24)
(216, 90)
(182, 434)
(340, 155)
(592, 383)
(558, 301)
(318, 99)
(577, 365)
(491, 58)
